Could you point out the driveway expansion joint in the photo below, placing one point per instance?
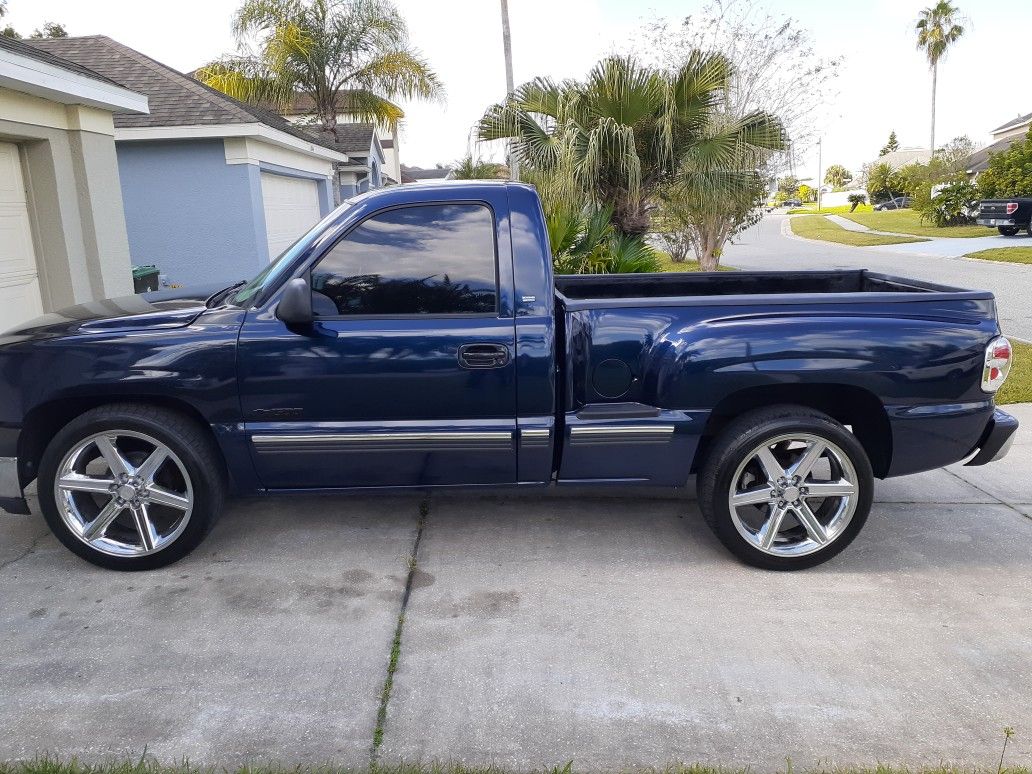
(395, 651)
(1009, 506)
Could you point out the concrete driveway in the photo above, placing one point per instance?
(611, 631)
(770, 246)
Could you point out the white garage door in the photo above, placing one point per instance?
(291, 208)
(19, 281)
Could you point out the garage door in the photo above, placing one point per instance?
(291, 208)
(19, 281)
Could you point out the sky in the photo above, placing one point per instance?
(884, 82)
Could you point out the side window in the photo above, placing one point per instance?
(432, 259)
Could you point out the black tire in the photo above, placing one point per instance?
(1008, 230)
(189, 442)
(735, 444)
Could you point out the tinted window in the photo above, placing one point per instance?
(435, 259)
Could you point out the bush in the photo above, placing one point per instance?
(855, 200)
(949, 206)
(1009, 172)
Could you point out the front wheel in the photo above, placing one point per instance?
(131, 487)
(1008, 230)
(786, 488)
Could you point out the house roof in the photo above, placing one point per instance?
(413, 174)
(304, 105)
(175, 99)
(979, 160)
(1012, 124)
(904, 157)
(42, 55)
(352, 138)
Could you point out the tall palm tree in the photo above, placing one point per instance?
(347, 56)
(937, 29)
(614, 137)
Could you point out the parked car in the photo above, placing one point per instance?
(1007, 215)
(896, 203)
(417, 339)
(793, 203)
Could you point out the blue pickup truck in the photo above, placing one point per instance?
(416, 338)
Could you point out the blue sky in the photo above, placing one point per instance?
(884, 82)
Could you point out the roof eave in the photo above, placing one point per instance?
(42, 79)
(212, 131)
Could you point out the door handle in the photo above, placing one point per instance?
(483, 355)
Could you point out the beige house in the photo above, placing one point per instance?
(62, 227)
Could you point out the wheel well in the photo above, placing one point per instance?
(853, 406)
(43, 422)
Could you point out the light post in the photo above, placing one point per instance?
(510, 87)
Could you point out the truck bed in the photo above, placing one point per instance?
(743, 283)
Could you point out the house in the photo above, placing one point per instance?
(1003, 137)
(213, 188)
(62, 228)
(905, 157)
(417, 175)
(374, 149)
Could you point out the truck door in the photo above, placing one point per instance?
(407, 376)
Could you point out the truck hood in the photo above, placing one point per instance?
(147, 311)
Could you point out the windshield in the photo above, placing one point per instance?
(275, 271)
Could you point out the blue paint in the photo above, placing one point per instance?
(188, 212)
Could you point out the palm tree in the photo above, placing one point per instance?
(614, 137)
(347, 56)
(937, 30)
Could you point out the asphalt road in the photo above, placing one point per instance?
(539, 629)
(770, 246)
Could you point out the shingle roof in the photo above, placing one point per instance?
(355, 138)
(40, 55)
(415, 173)
(175, 99)
(979, 160)
(1012, 123)
(304, 105)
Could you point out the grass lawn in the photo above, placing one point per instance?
(819, 227)
(1008, 254)
(667, 264)
(1018, 387)
(909, 222)
(841, 209)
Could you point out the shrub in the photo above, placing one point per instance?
(950, 205)
(1009, 172)
(855, 200)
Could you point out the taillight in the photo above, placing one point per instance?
(998, 359)
(1012, 207)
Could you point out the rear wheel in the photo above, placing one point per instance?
(131, 487)
(786, 488)
(1008, 230)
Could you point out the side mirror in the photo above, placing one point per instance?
(295, 305)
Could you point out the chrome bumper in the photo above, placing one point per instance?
(11, 498)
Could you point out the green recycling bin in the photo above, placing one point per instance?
(145, 279)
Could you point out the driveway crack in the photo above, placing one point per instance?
(395, 652)
(30, 550)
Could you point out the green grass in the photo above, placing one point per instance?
(840, 209)
(667, 264)
(909, 222)
(819, 227)
(1008, 254)
(1018, 387)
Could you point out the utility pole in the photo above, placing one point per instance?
(820, 172)
(510, 87)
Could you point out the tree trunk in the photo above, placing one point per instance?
(514, 171)
(630, 217)
(935, 74)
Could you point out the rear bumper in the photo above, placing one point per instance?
(11, 497)
(1001, 221)
(997, 439)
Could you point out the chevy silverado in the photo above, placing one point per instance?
(416, 338)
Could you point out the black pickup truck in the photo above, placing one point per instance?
(1008, 215)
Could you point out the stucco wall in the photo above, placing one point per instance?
(190, 213)
(75, 205)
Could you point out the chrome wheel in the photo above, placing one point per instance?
(124, 493)
(793, 494)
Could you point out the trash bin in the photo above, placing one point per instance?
(145, 279)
